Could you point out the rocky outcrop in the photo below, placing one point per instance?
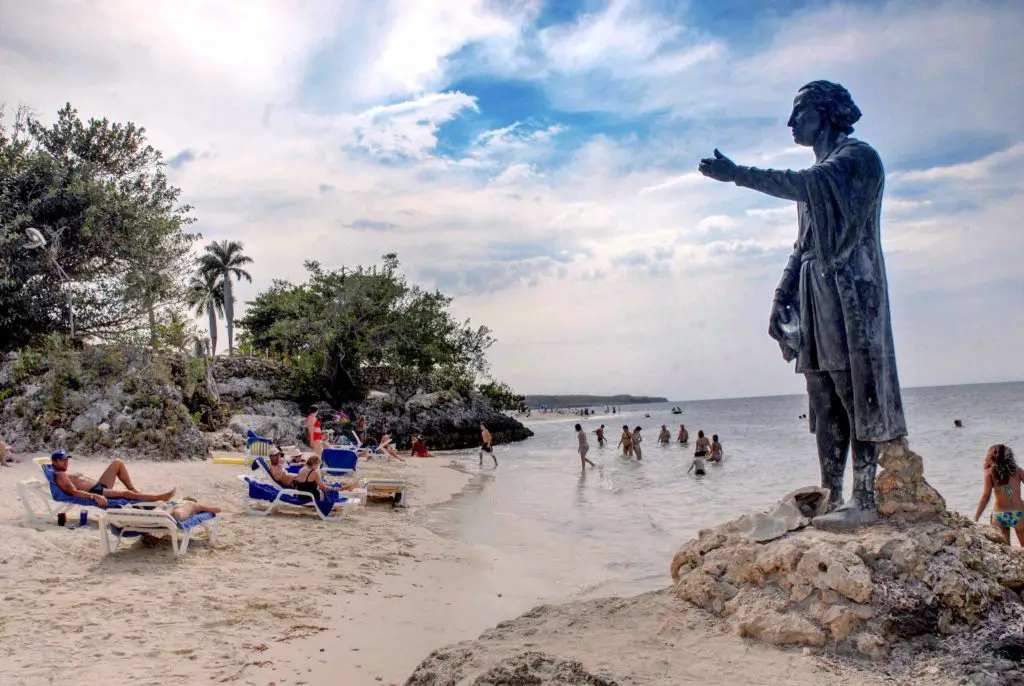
(528, 667)
(445, 419)
(106, 399)
(901, 491)
(866, 594)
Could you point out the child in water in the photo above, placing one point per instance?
(1004, 477)
(698, 465)
(584, 447)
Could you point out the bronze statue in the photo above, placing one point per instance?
(831, 309)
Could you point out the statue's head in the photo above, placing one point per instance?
(820, 106)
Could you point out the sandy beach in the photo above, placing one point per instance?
(286, 599)
(292, 600)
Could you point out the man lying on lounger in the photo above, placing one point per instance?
(99, 490)
(277, 470)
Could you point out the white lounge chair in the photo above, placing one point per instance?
(114, 524)
(43, 500)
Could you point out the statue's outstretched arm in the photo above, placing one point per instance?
(788, 185)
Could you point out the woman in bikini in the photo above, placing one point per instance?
(626, 442)
(1004, 477)
(313, 429)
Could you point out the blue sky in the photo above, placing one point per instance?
(536, 159)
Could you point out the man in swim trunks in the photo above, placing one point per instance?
(698, 465)
(101, 489)
(485, 437)
(601, 440)
(277, 470)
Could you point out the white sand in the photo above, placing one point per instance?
(282, 600)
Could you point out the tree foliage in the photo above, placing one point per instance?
(97, 191)
(339, 321)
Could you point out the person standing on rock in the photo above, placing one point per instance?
(831, 308)
(486, 446)
(584, 447)
(1004, 477)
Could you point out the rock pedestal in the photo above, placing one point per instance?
(867, 593)
(901, 492)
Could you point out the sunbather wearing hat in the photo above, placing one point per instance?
(277, 470)
(99, 490)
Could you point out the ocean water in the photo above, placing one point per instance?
(613, 529)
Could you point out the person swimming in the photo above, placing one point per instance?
(1004, 477)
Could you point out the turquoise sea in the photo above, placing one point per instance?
(614, 529)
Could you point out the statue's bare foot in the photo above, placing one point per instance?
(847, 518)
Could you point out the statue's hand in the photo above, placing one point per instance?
(719, 167)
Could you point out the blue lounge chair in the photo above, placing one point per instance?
(273, 495)
(44, 500)
(342, 462)
(256, 446)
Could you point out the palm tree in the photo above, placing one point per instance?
(205, 295)
(224, 259)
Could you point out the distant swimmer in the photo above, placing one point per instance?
(584, 447)
(716, 449)
(637, 440)
(697, 466)
(601, 440)
(684, 435)
(486, 445)
(958, 424)
(703, 447)
(664, 436)
(626, 441)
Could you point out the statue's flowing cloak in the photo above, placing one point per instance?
(836, 283)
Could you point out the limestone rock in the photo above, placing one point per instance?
(872, 645)
(781, 629)
(280, 429)
(894, 581)
(900, 487)
(763, 527)
(95, 414)
(830, 568)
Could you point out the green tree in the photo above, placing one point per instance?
(339, 321)
(225, 259)
(98, 193)
(205, 295)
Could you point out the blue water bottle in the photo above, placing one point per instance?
(83, 518)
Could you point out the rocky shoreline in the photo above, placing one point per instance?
(923, 595)
(129, 403)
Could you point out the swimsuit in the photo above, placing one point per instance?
(308, 486)
(97, 488)
(1008, 520)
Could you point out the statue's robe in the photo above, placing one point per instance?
(834, 313)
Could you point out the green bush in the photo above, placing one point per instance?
(28, 364)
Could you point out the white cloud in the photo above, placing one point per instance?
(622, 224)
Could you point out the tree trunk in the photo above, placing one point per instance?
(213, 329)
(229, 312)
(151, 312)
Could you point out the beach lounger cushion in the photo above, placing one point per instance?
(61, 497)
